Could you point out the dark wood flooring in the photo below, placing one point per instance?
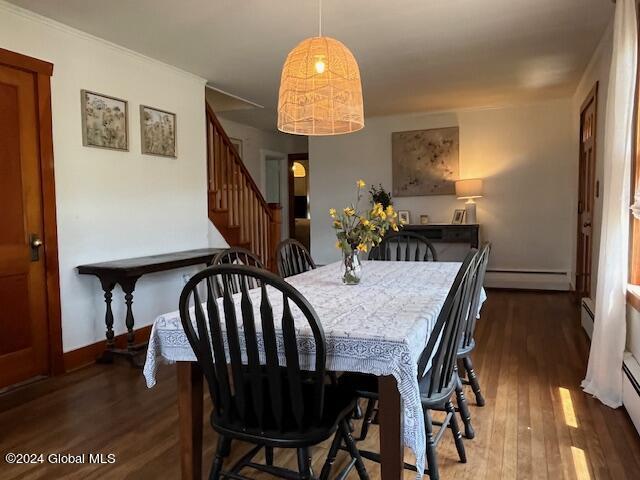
(537, 423)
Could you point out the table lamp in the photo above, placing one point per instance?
(468, 190)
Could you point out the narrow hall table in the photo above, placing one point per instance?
(126, 273)
(379, 327)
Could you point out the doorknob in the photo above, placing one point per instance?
(586, 224)
(36, 243)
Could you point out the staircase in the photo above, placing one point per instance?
(236, 205)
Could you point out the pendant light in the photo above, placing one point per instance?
(320, 88)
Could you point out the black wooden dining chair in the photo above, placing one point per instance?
(468, 343)
(438, 383)
(255, 398)
(237, 256)
(404, 246)
(293, 258)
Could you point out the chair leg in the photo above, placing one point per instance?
(224, 446)
(368, 418)
(331, 458)
(457, 436)
(357, 411)
(432, 462)
(268, 455)
(304, 464)
(464, 408)
(473, 380)
(353, 450)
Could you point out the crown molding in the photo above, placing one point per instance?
(46, 21)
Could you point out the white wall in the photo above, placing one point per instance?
(526, 154)
(255, 142)
(597, 71)
(111, 204)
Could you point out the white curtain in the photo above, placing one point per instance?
(604, 374)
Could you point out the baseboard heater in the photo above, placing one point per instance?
(528, 279)
(586, 315)
(631, 388)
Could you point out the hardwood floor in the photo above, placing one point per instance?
(537, 423)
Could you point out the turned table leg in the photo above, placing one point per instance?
(128, 286)
(108, 286)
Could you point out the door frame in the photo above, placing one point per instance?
(275, 156)
(293, 157)
(42, 72)
(592, 97)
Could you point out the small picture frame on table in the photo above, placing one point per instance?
(424, 219)
(403, 216)
(458, 216)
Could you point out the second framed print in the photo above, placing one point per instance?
(158, 132)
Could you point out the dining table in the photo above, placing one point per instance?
(379, 327)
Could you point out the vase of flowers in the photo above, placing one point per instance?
(358, 232)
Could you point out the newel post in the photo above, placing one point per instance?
(274, 234)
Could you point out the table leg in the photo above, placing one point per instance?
(108, 286)
(390, 419)
(190, 419)
(128, 286)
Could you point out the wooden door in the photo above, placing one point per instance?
(586, 193)
(24, 339)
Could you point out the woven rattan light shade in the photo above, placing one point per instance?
(320, 90)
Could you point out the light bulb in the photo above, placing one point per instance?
(320, 66)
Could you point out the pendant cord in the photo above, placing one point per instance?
(319, 18)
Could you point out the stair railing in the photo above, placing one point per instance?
(236, 205)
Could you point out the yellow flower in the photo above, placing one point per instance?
(389, 211)
(394, 227)
(338, 245)
(383, 215)
(362, 247)
(349, 212)
(332, 212)
(364, 221)
(337, 224)
(360, 183)
(377, 208)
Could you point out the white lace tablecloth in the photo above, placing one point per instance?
(379, 327)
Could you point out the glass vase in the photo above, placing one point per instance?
(351, 268)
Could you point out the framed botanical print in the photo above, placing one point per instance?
(105, 122)
(403, 216)
(158, 132)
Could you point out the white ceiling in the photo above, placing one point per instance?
(414, 55)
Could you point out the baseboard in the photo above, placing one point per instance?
(528, 279)
(631, 388)
(87, 355)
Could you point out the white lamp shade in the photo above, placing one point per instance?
(470, 188)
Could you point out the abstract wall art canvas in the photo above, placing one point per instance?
(104, 121)
(425, 162)
(158, 130)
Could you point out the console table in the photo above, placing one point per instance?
(448, 233)
(126, 273)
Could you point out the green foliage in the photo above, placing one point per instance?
(380, 195)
